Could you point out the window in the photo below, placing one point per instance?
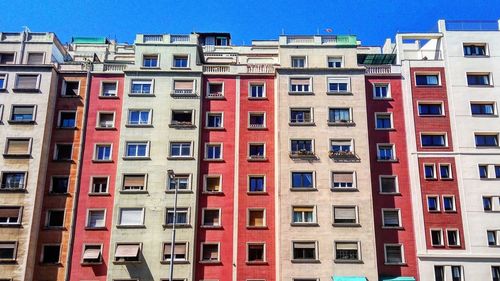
(487, 109)
(449, 203)
(139, 117)
(13, 180)
(256, 184)
(8, 251)
(484, 140)
(303, 214)
(180, 182)
(257, 91)
(209, 252)
(478, 79)
(298, 85)
(221, 41)
(102, 152)
(391, 218)
(96, 218)
(301, 116)
(346, 251)
(59, 185)
(23, 113)
(150, 61)
(10, 215)
(180, 252)
(99, 185)
(433, 204)
(182, 118)
(183, 87)
(141, 87)
(386, 152)
(393, 254)
(256, 218)
(213, 151)
(304, 251)
(3, 81)
(302, 180)
(51, 253)
(131, 217)
(344, 215)
(439, 273)
(381, 91)
(71, 88)
(215, 90)
(497, 171)
(127, 252)
(334, 62)
(339, 115)
(134, 182)
(106, 120)
(181, 61)
(483, 171)
(17, 147)
(181, 216)
(383, 121)
(487, 203)
(433, 140)
(452, 237)
(429, 171)
(301, 148)
(445, 171)
(27, 82)
(471, 50)
(63, 152)
(256, 252)
(495, 273)
(342, 180)
(388, 184)
(436, 237)
(92, 254)
(256, 151)
(456, 273)
(137, 149)
(341, 146)
(213, 183)
(256, 120)
(108, 89)
(55, 218)
(67, 119)
(493, 236)
(299, 62)
(489, 171)
(7, 58)
(430, 109)
(427, 79)
(338, 85)
(211, 218)
(180, 149)
(35, 58)
(214, 120)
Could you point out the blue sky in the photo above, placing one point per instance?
(372, 21)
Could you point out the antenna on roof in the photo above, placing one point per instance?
(317, 30)
(282, 31)
(26, 29)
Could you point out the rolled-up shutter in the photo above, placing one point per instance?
(18, 146)
(127, 251)
(343, 177)
(9, 212)
(27, 81)
(299, 81)
(183, 85)
(345, 213)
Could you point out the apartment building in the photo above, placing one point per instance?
(237, 201)
(326, 209)
(159, 132)
(28, 84)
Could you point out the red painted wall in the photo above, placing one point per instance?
(266, 270)
(89, 169)
(401, 201)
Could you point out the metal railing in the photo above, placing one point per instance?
(489, 25)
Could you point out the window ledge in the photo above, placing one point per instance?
(5, 155)
(60, 228)
(180, 68)
(254, 193)
(177, 225)
(341, 123)
(215, 97)
(428, 86)
(305, 261)
(212, 193)
(95, 228)
(385, 129)
(431, 115)
(256, 159)
(471, 86)
(180, 191)
(139, 126)
(26, 90)
(257, 98)
(211, 226)
(214, 128)
(109, 97)
(302, 124)
(388, 160)
(346, 224)
(63, 161)
(447, 179)
(21, 122)
(58, 264)
(383, 99)
(395, 264)
(193, 95)
(175, 262)
(130, 226)
(102, 161)
(70, 96)
(135, 158)
(181, 126)
(10, 225)
(489, 179)
(256, 227)
(301, 93)
(213, 160)
(257, 128)
(180, 158)
(339, 93)
(126, 262)
(348, 261)
(476, 56)
(105, 128)
(59, 194)
(66, 128)
(390, 193)
(306, 224)
(344, 189)
(485, 115)
(392, 227)
(303, 189)
(211, 262)
(141, 95)
(133, 192)
(91, 263)
(99, 194)
(256, 263)
(14, 190)
(8, 261)
(150, 68)
(430, 179)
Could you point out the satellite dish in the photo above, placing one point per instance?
(328, 30)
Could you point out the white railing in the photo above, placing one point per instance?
(114, 67)
(300, 39)
(215, 95)
(328, 39)
(152, 38)
(179, 39)
(216, 68)
(182, 92)
(260, 68)
(38, 36)
(8, 36)
(379, 69)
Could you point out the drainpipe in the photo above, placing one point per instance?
(24, 38)
(89, 65)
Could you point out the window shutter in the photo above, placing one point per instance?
(21, 110)
(27, 81)
(347, 246)
(91, 254)
(345, 213)
(127, 251)
(180, 249)
(35, 58)
(133, 180)
(304, 245)
(343, 177)
(299, 81)
(338, 80)
(183, 85)
(9, 212)
(18, 146)
(391, 218)
(131, 216)
(303, 209)
(341, 142)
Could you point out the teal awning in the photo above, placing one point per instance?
(401, 278)
(89, 40)
(349, 278)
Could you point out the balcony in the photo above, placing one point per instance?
(303, 154)
(108, 67)
(237, 69)
(183, 93)
(382, 69)
(216, 69)
(331, 40)
(421, 54)
(344, 156)
(461, 25)
(181, 124)
(260, 68)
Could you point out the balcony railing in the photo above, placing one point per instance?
(302, 121)
(216, 68)
(181, 124)
(256, 158)
(183, 92)
(302, 154)
(344, 156)
(179, 39)
(472, 25)
(215, 95)
(114, 67)
(256, 126)
(152, 38)
(260, 68)
(341, 122)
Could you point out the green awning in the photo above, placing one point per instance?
(349, 278)
(376, 59)
(89, 40)
(401, 278)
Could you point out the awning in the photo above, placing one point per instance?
(401, 278)
(92, 254)
(349, 278)
(127, 251)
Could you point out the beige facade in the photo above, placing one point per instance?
(333, 240)
(26, 98)
(161, 114)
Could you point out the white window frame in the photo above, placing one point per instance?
(51, 187)
(178, 55)
(264, 224)
(264, 189)
(440, 233)
(311, 90)
(150, 115)
(177, 176)
(458, 237)
(264, 254)
(396, 184)
(64, 84)
(101, 88)
(14, 254)
(202, 244)
(120, 217)
(263, 113)
(214, 144)
(453, 201)
(427, 73)
(180, 156)
(314, 215)
(5, 80)
(335, 59)
(401, 246)
(7, 144)
(179, 209)
(43, 252)
(449, 171)
(203, 225)
(338, 79)
(205, 177)
(400, 221)
(91, 189)
(207, 94)
(213, 113)
(314, 187)
(430, 102)
(47, 218)
(98, 123)
(34, 106)
(433, 173)
(110, 153)
(382, 84)
(38, 81)
(84, 246)
(438, 203)
(394, 156)
(56, 151)
(444, 134)
(139, 143)
(354, 180)
(257, 83)
(145, 186)
(391, 119)
(151, 55)
(88, 216)
(60, 112)
(299, 57)
(151, 82)
(356, 211)
(473, 73)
